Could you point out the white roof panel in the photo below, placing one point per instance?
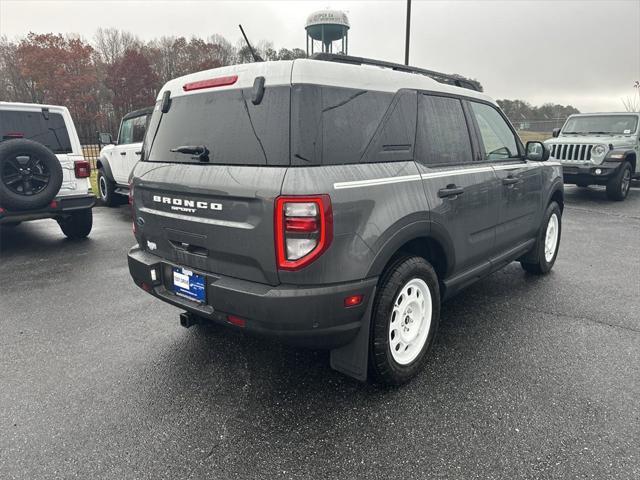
(318, 72)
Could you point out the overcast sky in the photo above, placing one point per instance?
(585, 53)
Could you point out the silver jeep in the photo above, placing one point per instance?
(599, 149)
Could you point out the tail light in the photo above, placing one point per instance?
(353, 300)
(210, 83)
(303, 229)
(82, 168)
(237, 321)
(10, 135)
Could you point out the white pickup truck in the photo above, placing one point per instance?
(43, 172)
(117, 159)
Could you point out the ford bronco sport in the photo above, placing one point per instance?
(43, 173)
(334, 202)
(599, 149)
(117, 159)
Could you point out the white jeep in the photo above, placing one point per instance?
(117, 159)
(599, 149)
(43, 172)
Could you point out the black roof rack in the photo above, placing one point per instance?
(138, 113)
(437, 76)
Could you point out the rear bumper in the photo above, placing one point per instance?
(588, 174)
(313, 317)
(57, 207)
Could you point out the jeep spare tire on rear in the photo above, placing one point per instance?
(30, 175)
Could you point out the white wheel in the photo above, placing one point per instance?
(551, 238)
(410, 321)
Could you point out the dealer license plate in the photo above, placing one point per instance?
(189, 285)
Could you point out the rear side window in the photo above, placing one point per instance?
(443, 135)
(132, 130)
(48, 129)
(126, 132)
(227, 123)
(497, 138)
(139, 126)
(338, 126)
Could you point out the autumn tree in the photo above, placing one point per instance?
(59, 70)
(132, 82)
(116, 73)
(173, 57)
(13, 86)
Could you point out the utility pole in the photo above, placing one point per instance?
(408, 30)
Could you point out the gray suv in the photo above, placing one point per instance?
(335, 202)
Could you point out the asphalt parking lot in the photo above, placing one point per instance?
(528, 378)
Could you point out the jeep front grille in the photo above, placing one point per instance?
(571, 152)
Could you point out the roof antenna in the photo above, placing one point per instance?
(256, 57)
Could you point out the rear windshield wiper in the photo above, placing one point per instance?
(199, 151)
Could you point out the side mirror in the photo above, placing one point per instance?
(537, 152)
(555, 132)
(105, 139)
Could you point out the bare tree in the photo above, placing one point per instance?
(225, 53)
(632, 103)
(111, 43)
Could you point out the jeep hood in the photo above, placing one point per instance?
(618, 141)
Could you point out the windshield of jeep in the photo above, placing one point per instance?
(48, 129)
(227, 123)
(602, 125)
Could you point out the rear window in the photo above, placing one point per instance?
(337, 126)
(227, 123)
(48, 129)
(300, 125)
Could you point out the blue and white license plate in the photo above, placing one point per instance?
(189, 285)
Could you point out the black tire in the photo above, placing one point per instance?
(385, 369)
(77, 225)
(618, 187)
(537, 262)
(106, 189)
(30, 175)
(10, 224)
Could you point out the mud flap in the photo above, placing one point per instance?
(353, 359)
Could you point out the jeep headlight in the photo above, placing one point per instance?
(598, 153)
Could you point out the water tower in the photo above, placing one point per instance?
(326, 27)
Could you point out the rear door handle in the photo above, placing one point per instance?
(123, 153)
(510, 181)
(138, 153)
(450, 191)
